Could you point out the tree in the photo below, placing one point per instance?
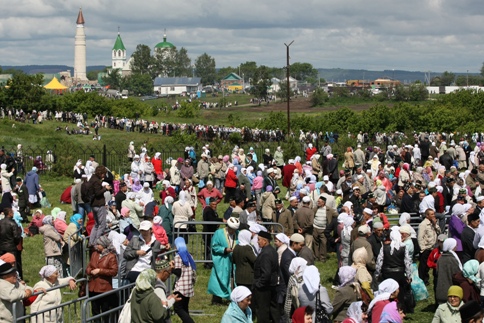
(248, 69)
(164, 62)
(223, 72)
(25, 91)
(301, 71)
(139, 84)
(113, 79)
(447, 78)
(205, 68)
(183, 63)
(319, 97)
(143, 61)
(261, 82)
(92, 75)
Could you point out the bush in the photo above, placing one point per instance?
(235, 138)
(188, 110)
(319, 97)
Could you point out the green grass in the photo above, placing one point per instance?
(33, 260)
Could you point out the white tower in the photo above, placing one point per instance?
(118, 57)
(80, 49)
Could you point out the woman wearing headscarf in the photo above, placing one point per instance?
(136, 187)
(60, 222)
(347, 292)
(186, 170)
(296, 269)
(185, 271)
(159, 231)
(167, 190)
(308, 290)
(449, 311)
(281, 241)
(166, 214)
(182, 212)
(239, 308)
(357, 313)
(447, 265)
(363, 276)
(101, 269)
(243, 258)
(394, 262)
(392, 313)
(469, 281)
(50, 279)
(404, 175)
(405, 219)
(388, 291)
(303, 314)
(53, 244)
(345, 236)
(145, 304)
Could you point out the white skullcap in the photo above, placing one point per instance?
(303, 191)
(282, 238)
(325, 178)
(365, 229)
(77, 181)
(292, 198)
(306, 199)
(270, 170)
(368, 211)
(359, 176)
(233, 223)
(405, 229)
(480, 198)
(348, 204)
(378, 225)
(239, 294)
(431, 184)
(339, 192)
(104, 184)
(146, 184)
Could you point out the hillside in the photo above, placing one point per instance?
(48, 69)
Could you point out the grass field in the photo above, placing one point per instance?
(33, 260)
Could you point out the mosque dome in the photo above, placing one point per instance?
(164, 44)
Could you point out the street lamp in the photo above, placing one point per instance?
(288, 89)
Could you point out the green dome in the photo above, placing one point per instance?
(164, 44)
(118, 45)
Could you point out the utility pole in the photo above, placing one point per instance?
(467, 79)
(288, 90)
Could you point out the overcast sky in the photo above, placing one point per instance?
(414, 35)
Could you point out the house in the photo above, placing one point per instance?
(275, 87)
(176, 85)
(232, 82)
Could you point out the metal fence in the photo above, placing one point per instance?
(77, 256)
(197, 241)
(66, 312)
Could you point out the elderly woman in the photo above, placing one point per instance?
(146, 307)
(345, 238)
(53, 244)
(362, 276)
(447, 265)
(469, 281)
(347, 293)
(357, 313)
(60, 222)
(449, 312)
(394, 262)
(243, 258)
(101, 269)
(392, 313)
(239, 310)
(50, 279)
(388, 291)
(310, 288)
(182, 212)
(296, 269)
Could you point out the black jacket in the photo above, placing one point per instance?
(210, 215)
(286, 258)
(10, 235)
(98, 190)
(467, 238)
(266, 268)
(119, 198)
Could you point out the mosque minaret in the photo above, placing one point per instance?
(80, 49)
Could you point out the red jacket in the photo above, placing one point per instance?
(310, 152)
(160, 234)
(157, 165)
(231, 179)
(170, 191)
(287, 172)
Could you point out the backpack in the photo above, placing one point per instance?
(87, 192)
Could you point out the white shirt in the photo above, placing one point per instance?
(144, 262)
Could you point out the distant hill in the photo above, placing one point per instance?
(341, 75)
(49, 69)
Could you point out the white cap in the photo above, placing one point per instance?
(145, 225)
(306, 199)
(303, 191)
(292, 198)
(270, 170)
(480, 198)
(146, 184)
(310, 145)
(348, 204)
(368, 211)
(339, 192)
(359, 176)
(325, 178)
(365, 229)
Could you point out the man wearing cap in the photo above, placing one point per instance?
(303, 221)
(11, 291)
(163, 269)
(223, 243)
(359, 155)
(467, 237)
(121, 195)
(266, 276)
(361, 241)
(428, 230)
(332, 169)
(269, 180)
(295, 244)
(471, 180)
(282, 216)
(203, 168)
(323, 217)
(248, 216)
(377, 237)
(347, 186)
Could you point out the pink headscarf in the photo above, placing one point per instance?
(406, 166)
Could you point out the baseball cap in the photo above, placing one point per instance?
(145, 225)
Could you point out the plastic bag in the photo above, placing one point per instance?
(418, 286)
(44, 202)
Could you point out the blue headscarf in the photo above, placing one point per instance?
(18, 219)
(181, 249)
(75, 218)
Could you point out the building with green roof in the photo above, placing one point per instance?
(118, 54)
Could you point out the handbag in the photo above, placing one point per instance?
(191, 227)
(125, 315)
(321, 315)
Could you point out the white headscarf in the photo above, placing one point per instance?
(297, 266)
(182, 198)
(385, 290)
(346, 275)
(396, 238)
(404, 218)
(281, 237)
(354, 311)
(47, 271)
(311, 279)
(166, 184)
(168, 200)
(348, 225)
(239, 294)
(244, 238)
(449, 245)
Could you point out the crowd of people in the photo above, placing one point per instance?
(285, 214)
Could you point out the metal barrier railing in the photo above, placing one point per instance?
(197, 240)
(69, 311)
(77, 255)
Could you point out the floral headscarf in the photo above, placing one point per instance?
(146, 280)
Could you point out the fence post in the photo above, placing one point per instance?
(104, 155)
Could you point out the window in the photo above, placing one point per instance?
(172, 88)
(114, 64)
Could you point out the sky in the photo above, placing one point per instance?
(412, 35)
